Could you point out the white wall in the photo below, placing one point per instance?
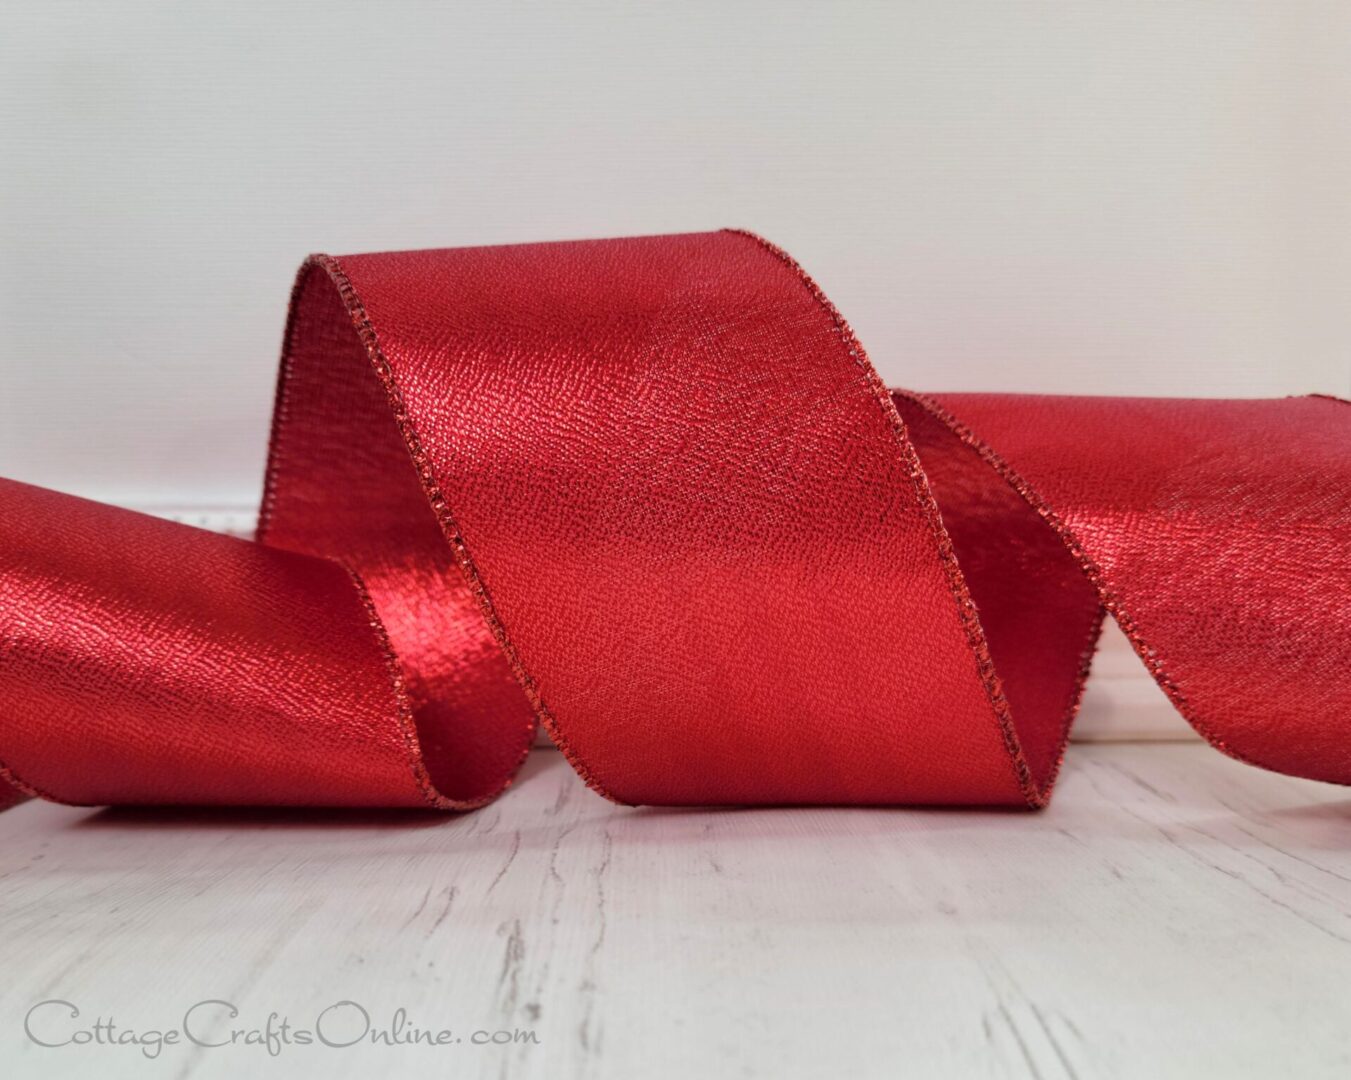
(1105, 197)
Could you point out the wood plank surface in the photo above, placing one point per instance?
(1173, 914)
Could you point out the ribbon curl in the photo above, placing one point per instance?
(651, 493)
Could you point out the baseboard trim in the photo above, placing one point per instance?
(231, 520)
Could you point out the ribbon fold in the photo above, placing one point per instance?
(651, 493)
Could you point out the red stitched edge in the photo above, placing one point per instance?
(32, 792)
(449, 528)
(967, 615)
(407, 724)
(1148, 654)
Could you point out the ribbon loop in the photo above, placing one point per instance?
(651, 493)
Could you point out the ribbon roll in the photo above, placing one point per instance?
(651, 493)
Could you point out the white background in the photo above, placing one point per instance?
(1119, 196)
(1106, 197)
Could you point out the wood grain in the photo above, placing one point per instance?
(1174, 914)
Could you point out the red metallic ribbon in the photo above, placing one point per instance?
(651, 493)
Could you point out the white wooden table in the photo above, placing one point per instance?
(1173, 914)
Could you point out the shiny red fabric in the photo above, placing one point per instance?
(651, 493)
